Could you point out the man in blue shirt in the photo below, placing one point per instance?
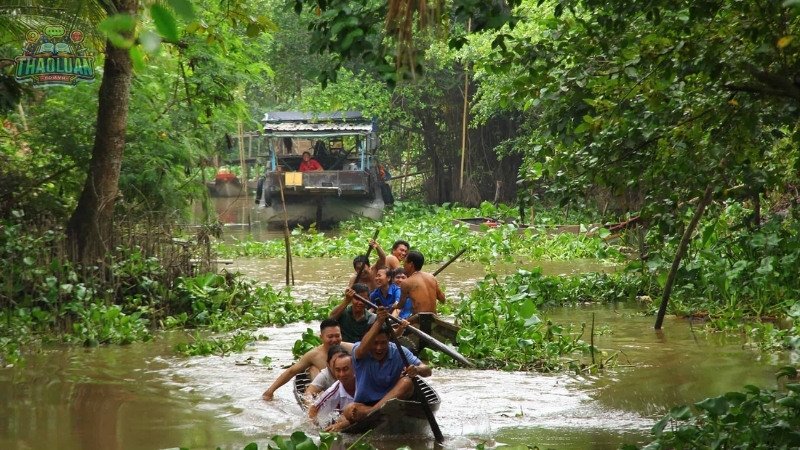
(380, 372)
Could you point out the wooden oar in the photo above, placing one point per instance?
(369, 250)
(444, 266)
(437, 433)
(433, 343)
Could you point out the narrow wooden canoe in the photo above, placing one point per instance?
(434, 325)
(395, 417)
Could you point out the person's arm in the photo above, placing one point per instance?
(420, 369)
(318, 385)
(313, 410)
(348, 298)
(339, 425)
(381, 262)
(405, 293)
(287, 375)
(317, 166)
(439, 293)
(366, 342)
(416, 366)
(315, 405)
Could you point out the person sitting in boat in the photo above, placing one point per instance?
(380, 372)
(314, 360)
(352, 314)
(398, 276)
(386, 293)
(367, 275)
(383, 181)
(421, 288)
(309, 165)
(398, 254)
(327, 408)
(325, 378)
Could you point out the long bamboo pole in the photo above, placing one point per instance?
(287, 242)
(464, 115)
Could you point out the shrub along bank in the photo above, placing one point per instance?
(430, 229)
(45, 299)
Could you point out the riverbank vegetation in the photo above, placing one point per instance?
(438, 234)
(671, 124)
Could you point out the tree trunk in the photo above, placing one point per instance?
(89, 230)
(684, 244)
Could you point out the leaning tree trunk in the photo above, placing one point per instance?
(90, 228)
(684, 244)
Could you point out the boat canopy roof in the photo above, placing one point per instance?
(310, 125)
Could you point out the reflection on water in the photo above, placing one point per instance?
(240, 217)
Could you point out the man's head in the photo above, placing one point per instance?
(330, 333)
(342, 368)
(380, 343)
(333, 352)
(382, 277)
(360, 260)
(400, 249)
(415, 259)
(398, 275)
(306, 156)
(362, 290)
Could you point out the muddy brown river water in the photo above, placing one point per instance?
(144, 396)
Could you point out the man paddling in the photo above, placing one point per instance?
(380, 373)
(314, 360)
(398, 254)
(354, 319)
(420, 287)
(367, 274)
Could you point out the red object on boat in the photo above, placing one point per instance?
(224, 174)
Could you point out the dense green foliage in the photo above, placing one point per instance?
(431, 230)
(49, 299)
(502, 324)
(756, 418)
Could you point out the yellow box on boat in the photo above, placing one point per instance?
(294, 178)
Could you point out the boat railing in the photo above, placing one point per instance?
(332, 182)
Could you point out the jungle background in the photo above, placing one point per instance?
(674, 124)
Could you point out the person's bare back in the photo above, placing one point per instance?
(421, 288)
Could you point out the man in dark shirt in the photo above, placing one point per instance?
(354, 319)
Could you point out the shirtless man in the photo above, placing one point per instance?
(314, 360)
(368, 274)
(398, 255)
(421, 287)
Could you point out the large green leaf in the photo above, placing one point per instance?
(165, 22)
